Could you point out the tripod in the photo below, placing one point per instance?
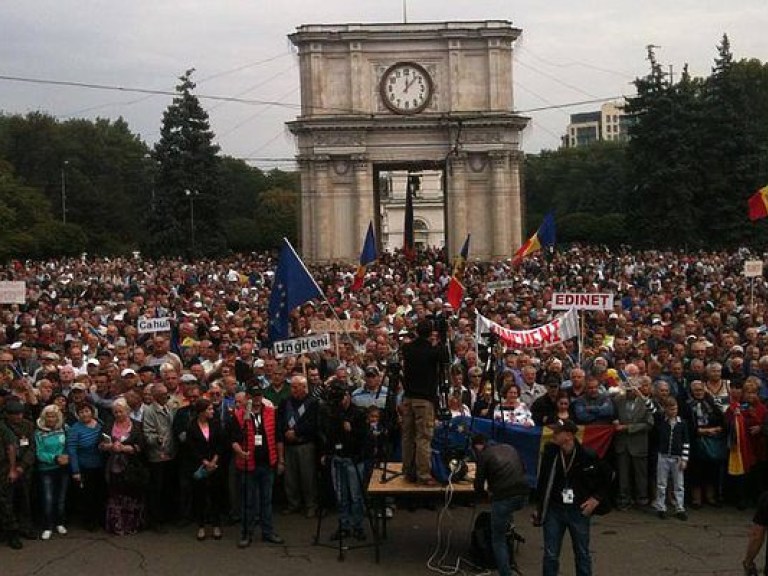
(389, 420)
(350, 493)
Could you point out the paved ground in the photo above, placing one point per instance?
(633, 543)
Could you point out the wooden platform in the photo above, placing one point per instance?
(398, 486)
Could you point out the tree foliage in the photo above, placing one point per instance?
(698, 149)
(587, 187)
(187, 203)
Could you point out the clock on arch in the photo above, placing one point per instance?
(406, 88)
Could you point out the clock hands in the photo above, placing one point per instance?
(408, 84)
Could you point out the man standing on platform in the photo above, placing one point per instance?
(421, 369)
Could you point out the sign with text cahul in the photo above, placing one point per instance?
(148, 325)
(589, 301)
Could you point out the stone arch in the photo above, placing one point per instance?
(464, 124)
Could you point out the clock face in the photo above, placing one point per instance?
(406, 88)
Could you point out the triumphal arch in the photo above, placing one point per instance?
(415, 96)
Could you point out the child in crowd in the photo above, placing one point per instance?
(674, 448)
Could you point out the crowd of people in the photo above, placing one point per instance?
(127, 431)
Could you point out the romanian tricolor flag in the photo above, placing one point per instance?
(367, 256)
(455, 291)
(545, 236)
(740, 459)
(409, 247)
(529, 442)
(758, 204)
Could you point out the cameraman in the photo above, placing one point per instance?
(421, 378)
(344, 428)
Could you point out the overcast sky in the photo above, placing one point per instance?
(570, 51)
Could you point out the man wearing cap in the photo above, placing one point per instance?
(371, 393)
(24, 432)
(500, 466)
(129, 378)
(572, 483)
(254, 445)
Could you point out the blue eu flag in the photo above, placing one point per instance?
(292, 286)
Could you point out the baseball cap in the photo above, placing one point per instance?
(371, 371)
(79, 386)
(128, 372)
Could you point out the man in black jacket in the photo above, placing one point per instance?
(572, 483)
(500, 466)
(344, 428)
(421, 367)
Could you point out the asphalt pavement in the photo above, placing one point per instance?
(634, 542)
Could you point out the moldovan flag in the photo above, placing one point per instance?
(367, 256)
(529, 442)
(758, 204)
(455, 291)
(545, 236)
(409, 249)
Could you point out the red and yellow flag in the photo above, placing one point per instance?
(758, 204)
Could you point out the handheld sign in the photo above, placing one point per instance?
(148, 325)
(12, 292)
(588, 301)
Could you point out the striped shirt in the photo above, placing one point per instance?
(83, 447)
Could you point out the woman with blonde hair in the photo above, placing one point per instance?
(52, 469)
(127, 476)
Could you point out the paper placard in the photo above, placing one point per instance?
(304, 345)
(148, 325)
(753, 268)
(13, 292)
(587, 301)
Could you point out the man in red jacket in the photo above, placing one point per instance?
(255, 448)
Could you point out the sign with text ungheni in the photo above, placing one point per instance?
(12, 292)
(148, 325)
(588, 301)
(297, 346)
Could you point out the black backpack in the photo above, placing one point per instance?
(481, 549)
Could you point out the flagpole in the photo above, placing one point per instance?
(322, 292)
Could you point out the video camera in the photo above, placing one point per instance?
(439, 325)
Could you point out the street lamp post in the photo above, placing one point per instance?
(64, 191)
(191, 195)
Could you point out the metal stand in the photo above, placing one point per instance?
(342, 547)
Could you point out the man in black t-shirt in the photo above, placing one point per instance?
(756, 535)
(421, 363)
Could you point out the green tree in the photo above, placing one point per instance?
(730, 153)
(665, 168)
(586, 187)
(187, 181)
(29, 229)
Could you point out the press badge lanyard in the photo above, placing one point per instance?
(567, 493)
(257, 436)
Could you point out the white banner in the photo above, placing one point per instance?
(13, 292)
(305, 345)
(562, 328)
(147, 325)
(588, 301)
(753, 268)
